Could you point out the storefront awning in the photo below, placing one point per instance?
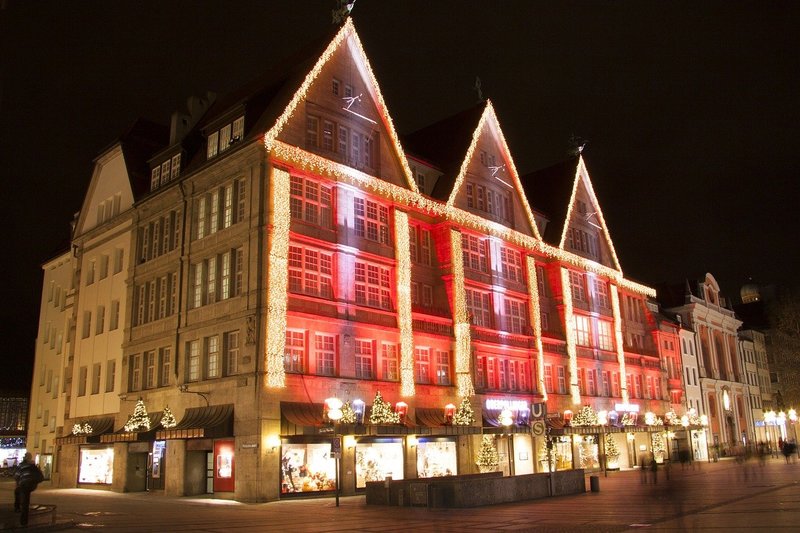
(135, 436)
(430, 417)
(491, 424)
(99, 426)
(431, 421)
(202, 423)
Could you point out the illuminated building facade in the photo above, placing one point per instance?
(722, 378)
(290, 248)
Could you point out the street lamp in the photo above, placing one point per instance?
(769, 420)
(687, 431)
(334, 413)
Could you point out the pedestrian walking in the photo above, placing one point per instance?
(28, 477)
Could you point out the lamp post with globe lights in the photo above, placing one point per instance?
(334, 414)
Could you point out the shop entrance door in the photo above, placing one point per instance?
(209, 472)
(137, 472)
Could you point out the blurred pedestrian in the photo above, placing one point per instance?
(28, 477)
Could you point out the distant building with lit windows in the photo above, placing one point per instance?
(284, 246)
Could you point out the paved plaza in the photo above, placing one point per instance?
(724, 495)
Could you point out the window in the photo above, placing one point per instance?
(616, 384)
(96, 369)
(87, 323)
(442, 367)
(294, 351)
(591, 381)
(427, 296)
(193, 366)
(325, 354)
(165, 355)
(82, 376)
(311, 202)
(581, 325)
(111, 374)
(113, 318)
(581, 241)
(103, 266)
(344, 141)
(371, 220)
(420, 245)
(231, 347)
(336, 87)
(605, 339)
(119, 254)
(601, 293)
(136, 372)
(577, 286)
(562, 380)
(372, 285)
(327, 135)
(155, 177)
(222, 139)
(150, 369)
(90, 271)
(211, 278)
(515, 313)
(511, 263)
(479, 307)
(213, 366)
(101, 320)
(310, 272)
(548, 378)
(606, 383)
(474, 252)
(176, 167)
(420, 179)
(389, 369)
(156, 237)
(312, 131)
(364, 359)
(422, 364)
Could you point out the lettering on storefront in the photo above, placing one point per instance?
(498, 404)
(626, 407)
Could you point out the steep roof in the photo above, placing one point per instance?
(445, 143)
(138, 144)
(548, 191)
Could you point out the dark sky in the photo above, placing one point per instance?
(689, 108)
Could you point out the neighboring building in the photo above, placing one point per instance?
(53, 344)
(752, 347)
(284, 249)
(13, 426)
(695, 407)
(725, 392)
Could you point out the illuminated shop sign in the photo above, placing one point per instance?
(500, 404)
(627, 407)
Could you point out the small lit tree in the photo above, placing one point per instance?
(488, 458)
(657, 439)
(348, 415)
(612, 452)
(585, 417)
(168, 419)
(382, 412)
(139, 420)
(464, 416)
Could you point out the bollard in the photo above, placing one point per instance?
(594, 483)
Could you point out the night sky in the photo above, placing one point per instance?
(689, 108)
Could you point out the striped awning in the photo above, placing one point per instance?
(121, 435)
(99, 425)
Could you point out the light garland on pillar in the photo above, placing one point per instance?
(278, 278)
(403, 258)
(623, 378)
(461, 325)
(580, 172)
(488, 113)
(566, 298)
(536, 321)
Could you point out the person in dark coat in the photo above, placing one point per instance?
(28, 477)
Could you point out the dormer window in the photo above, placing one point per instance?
(336, 87)
(165, 172)
(222, 139)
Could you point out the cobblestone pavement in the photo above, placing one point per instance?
(727, 495)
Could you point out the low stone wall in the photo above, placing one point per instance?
(408, 492)
(474, 490)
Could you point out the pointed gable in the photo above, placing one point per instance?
(338, 112)
(479, 174)
(121, 175)
(564, 194)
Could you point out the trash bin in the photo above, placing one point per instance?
(594, 483)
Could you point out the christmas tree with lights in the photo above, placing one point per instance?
(382, 412)
(168, 419)
(612, 452)
(658, 446)
(464, 416)
(585, 417)
(139, 420)
(488, 458)
(348, 415)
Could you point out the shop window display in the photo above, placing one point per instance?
(563, 453)
(377, 460)
(307, 468)
(588, 451)
(97, 466)
(436, 458)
